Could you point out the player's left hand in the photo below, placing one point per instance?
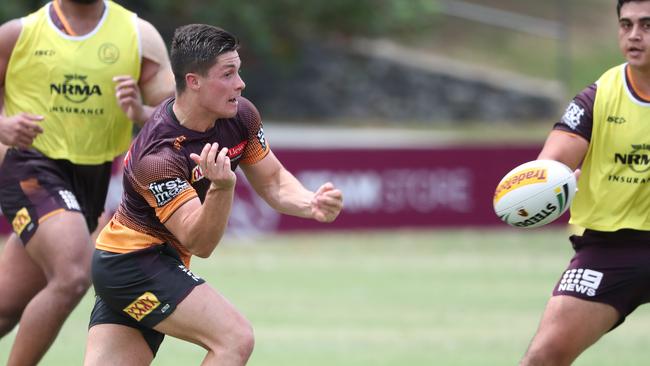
(129, 98)
(327, 203)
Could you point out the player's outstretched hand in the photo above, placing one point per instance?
(327, 203)
(215, 166)
(20, 130)
(129, 98)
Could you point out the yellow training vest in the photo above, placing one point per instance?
(68, 80)
(614, 188)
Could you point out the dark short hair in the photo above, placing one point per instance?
(195, 48)
(621, 3)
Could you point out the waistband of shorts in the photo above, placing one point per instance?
(629, 234)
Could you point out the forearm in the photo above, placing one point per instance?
(205, 227)
(287, 195)
(564, 147)
(147, 111)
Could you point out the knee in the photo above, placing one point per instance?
(244, 340)
(73, 283)
(237, 343)
(548, 356)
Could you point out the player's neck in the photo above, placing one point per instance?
(640, 78)
(80, 18)
(192, 117)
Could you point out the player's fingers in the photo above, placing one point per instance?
(222, 157)
(324, 188)
(32, 117)
(128, 96)
(195, 158)
(28, 128)
(23, 142)
(122, 78)
(331, 202)
(334, 193)
(325, 216)
(204, 157)
(212, 155)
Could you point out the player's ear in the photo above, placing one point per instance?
(192, 81)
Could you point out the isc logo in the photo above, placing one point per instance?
(616, 119)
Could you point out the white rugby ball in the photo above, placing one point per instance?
(534, 193)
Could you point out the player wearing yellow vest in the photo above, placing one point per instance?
(606, 131)
(74, 75)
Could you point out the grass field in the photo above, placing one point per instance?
(390, 298)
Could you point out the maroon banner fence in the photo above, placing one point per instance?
(388, 188)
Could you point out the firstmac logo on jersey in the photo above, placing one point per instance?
(572, 115)
(581, 280)
(261, 138)
(165, 191)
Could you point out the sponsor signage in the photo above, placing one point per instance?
(384, 188)
(394, 188)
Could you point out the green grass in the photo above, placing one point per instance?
(389, 298)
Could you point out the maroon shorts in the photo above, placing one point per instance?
(33, 187)
(611, 268)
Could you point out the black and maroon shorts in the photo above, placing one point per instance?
(611, 268)
(34, 187)
(140, 289)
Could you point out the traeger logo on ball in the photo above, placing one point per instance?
(75, 88)
(638, 159)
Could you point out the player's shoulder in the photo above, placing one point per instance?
(9, 32)
(244, 105)
(152, 159)
(247, 112)
(147, 30)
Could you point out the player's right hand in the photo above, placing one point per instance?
(215, 166)
(20, 130)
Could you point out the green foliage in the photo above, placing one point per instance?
(15, 9)
(277, 27)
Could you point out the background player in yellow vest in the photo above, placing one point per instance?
(606, 128)
(73, 74)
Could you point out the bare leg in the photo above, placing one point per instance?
(206, 318)
(113, 344)
(568, 327)
(20, 280)
(62, 248)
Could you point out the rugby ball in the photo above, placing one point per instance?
(534, 193)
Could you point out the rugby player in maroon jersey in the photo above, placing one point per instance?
(178, 190)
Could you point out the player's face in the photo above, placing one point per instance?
(634, 33)
(223, 85)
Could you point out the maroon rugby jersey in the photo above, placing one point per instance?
(578, 116)
(159, 175)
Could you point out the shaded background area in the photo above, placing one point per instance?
(403, 62)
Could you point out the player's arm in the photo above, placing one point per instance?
(282, 191)
(139, 98)
(568, 142)
(21, 129)
(200, 227)
(565, 147)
